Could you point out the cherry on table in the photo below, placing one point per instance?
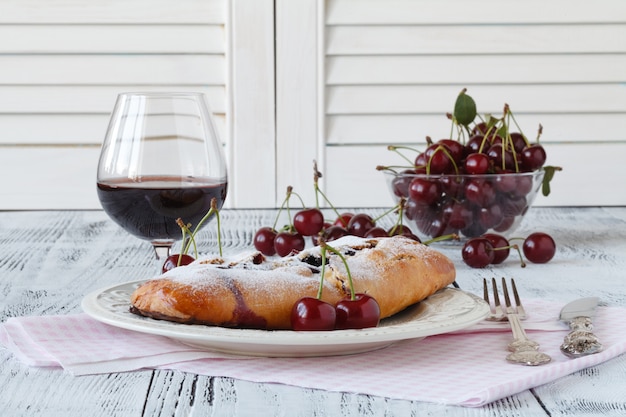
(478, 252)
(171, 261)
(264, 240)
(500, 245)
(308, 222)
(359, 313)
(310, 313)
(539, 247)
(360, 223)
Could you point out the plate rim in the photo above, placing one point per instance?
(92, 306)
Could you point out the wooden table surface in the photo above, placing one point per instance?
(49, 260)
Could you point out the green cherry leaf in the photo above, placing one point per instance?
(464, 109)
(549, 174)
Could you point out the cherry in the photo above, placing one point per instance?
(500, 245)
(539, 247)
(357, 313)
(518, 141)
(288, 242)
(334, 233)
(457, 215)
(533, 157)
(377, 232)
(360, 223)
(438, 160)
(171, 261)
(308, 222)
(477, 163)
(455, 148)
(402, 230)
(478, 252)
(310, 313)
(264, 240)
(424, 190)
(344, 218)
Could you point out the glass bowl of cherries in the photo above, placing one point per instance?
(484, 181)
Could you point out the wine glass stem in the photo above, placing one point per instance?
(162, 251)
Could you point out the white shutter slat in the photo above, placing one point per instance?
(464, 69)
(65, 129)
(114, 69)
(60, 99)
(475, 39)
(409, 129)
(113, 11)
(545, 98)
(104, 39)
(348, 12)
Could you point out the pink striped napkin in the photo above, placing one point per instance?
(466, 368)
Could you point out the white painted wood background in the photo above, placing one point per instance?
(293, 81)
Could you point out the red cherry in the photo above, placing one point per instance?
(424, 190)
(310, 313)
(518, 141)
(334, 233)
(455, 148)
(344, 218)
(264, 240)
(478, 252)
(533, 157)
(500, 245)
(477, 163)
(377, 232)
(360, 224)
(308, 222)
(288, 242)
(171, 261)
(539, 247)
(359, 313)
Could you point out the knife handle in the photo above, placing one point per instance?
(580, 341)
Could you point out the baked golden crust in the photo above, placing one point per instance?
(260, 293)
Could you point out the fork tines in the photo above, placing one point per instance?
(498, 311)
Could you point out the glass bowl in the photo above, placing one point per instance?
(467, 205)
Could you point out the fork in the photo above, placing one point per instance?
(497, 313)
(523, 350)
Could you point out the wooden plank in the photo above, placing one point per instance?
(363, 185)
(106, 39)
(475, 39)
(114, 69)
(464, 69)
(413, 128)
(536, 98)
(113, 11)
(346, 12)
(66, 129)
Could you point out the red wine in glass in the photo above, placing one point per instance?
(149, 209)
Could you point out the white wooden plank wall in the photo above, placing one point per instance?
(392, 69)
(62, 64)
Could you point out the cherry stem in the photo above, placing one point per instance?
(345, 263)
(185, 228)
(400, 210)
(452, 236)
(321, 287)
(395, 148)
(282, 206)
(391, 210)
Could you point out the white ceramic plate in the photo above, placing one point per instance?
(446, 311)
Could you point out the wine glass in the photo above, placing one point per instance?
(161, 160)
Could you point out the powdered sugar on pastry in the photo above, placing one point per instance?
(254, 291)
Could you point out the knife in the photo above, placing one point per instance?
(580, 341)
